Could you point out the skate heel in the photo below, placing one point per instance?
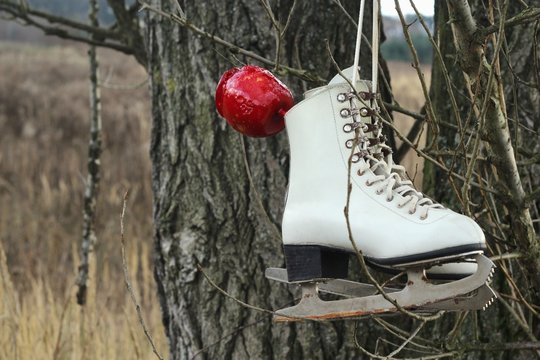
(311, 262)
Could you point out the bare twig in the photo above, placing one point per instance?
(225, 336)
(431, 118)
(64, 28)
(244, 304)
(179, 8)
(302, 74)
(264, 213)
(128, 283)
(412, 336)
(528, 15)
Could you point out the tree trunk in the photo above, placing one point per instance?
(205, 211)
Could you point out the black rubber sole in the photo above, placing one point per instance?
(309, 262)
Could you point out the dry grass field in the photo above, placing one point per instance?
(43, 143)
(408, 92)
(44, 120)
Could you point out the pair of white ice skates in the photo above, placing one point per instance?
(335, 140)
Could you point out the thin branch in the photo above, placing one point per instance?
(128, 283)
(302, 74)
(179, 8)
(433, 160)
(258, 197)
(23, 12)
(95, 36)
(244, 304)
(528, 15)
(465, 190)
(412, 336)
(431, 118)
(225, 336)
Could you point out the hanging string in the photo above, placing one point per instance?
(374, 44)
(358, 41)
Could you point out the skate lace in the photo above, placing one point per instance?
(390, 182)
(390, 178)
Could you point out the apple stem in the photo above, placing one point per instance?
(281, 112)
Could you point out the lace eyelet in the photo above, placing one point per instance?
(368, 183)
(355, 158)
(378, 192)
(345, 113)
(390, 199)
(422, 217)
(412, 212)
(349, 144)
(364, 112)
(360, 173)
(347, 128)
(342, 97)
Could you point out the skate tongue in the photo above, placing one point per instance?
(338, 79)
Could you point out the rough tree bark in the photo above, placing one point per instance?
(205, 211)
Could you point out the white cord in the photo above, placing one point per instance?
(358, 41)
(374, 44)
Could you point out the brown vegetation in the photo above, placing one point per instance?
(408, 92)
(44, 120)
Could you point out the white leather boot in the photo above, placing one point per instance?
(447, 271)
(391, 223)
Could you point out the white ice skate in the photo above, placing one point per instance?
(335, 140)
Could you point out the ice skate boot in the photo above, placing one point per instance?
(391, 223)
(340, 161)
(446, 271)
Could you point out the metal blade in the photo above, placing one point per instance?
(417, 294)
(339, 287)
(476, 300)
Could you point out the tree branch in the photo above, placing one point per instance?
(95, 36)
(302, 74)
(21, 12)
(528, 15)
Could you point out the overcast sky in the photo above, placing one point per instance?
(424, 6)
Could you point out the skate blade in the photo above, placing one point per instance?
(470, 293)
(479, 299)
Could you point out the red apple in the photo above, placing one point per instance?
(253, 101)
